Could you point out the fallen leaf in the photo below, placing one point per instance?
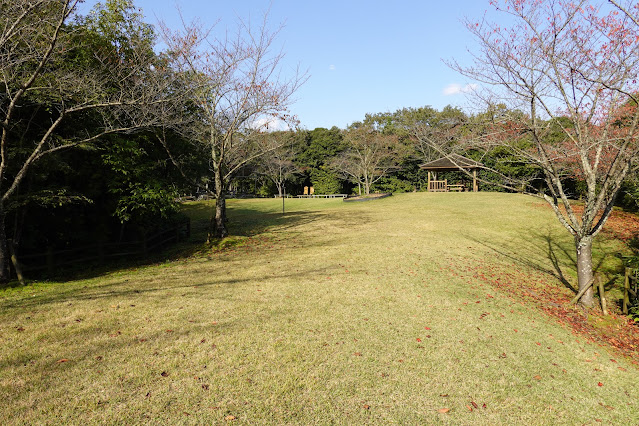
(62, 360)
(474, 404)
(357, 354)
(164, 374)
(367, 407)
(537, 377)
(229, 418)
(419, 340)
(443, 410)
(599, 384)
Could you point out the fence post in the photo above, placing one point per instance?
(626, 290)
(602, 297)
(15, 262)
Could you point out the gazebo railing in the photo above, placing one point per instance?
(438, 186)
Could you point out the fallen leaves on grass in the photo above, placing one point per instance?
(443, 410)
(544, 292)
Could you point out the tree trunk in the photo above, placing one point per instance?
(220, 216)
(584, 269)
(5, 257)
(217, 227)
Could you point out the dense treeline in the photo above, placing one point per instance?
(420, 135)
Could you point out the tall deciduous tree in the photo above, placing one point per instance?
(567, 72)
(103, 68)
(238, 90)
(369, 156)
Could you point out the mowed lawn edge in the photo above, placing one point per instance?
(331, 313)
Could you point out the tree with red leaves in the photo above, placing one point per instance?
(566, 72)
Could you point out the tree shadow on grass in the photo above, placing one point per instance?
(243, 222)
(550, 254)
(123, 288)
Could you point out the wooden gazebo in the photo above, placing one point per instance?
(450, 163)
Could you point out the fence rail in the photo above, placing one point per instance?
(101, 252)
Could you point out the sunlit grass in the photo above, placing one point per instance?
(334, 312)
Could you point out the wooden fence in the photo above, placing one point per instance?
(100, 253)
(630, 289)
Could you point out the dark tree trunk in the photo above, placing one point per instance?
(217, 227)
(584, 269)
(220, 215)
(5, 256)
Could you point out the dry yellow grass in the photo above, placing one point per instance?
(333, 313)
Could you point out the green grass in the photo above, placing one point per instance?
(314, 317)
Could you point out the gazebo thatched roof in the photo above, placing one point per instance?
(451, 163)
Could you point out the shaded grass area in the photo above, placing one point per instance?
(332, 313)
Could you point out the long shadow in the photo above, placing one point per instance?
(242, 222)
(120, 288)
(559, 255)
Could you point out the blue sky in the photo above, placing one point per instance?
(362, 56)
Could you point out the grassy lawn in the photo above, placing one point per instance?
(389, 311)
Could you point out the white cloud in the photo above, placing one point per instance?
(331, 67)
(456, 89)
(270, 124)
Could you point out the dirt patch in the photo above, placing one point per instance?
(368, 197)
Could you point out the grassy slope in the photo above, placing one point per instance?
(317, 317)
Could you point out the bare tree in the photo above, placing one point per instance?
(277, 162)
(238, 90)
(44, 60)
(369, 156)
(566, 73)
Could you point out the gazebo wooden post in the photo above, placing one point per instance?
(429, 181)
(475, 180)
